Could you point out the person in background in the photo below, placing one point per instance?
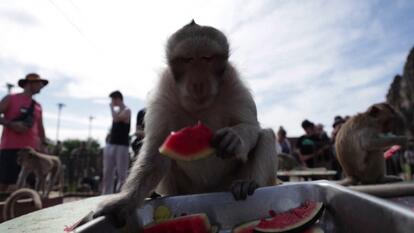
(283, 144)
(306, 144)
(58, 148)
(116, 157)
(23, 127)
(324, 147)
(140, 125)
(139, 133)
(319, 130)
(81, 158)
(338, 122)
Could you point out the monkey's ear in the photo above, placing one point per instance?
(192, 22)
(374, 111)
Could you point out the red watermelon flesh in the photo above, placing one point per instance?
(195, 223)
(249, 228)
(190, 143)
(390, 152)
(294, 220)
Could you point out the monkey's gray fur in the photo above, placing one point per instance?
(200, 84)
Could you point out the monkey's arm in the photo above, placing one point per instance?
(240, 139)
(249, 135)
(145, 176)
(146, 172)
(380, 142)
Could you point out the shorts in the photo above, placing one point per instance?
(9, 169)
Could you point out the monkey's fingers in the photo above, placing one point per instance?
(226, 139)
(252, 187)
(237, 190)
(241, 189)
(116, 218)
(226, 142)
(218, 137)
(217, 140)
(232, 147)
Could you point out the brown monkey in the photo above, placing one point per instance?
(8, 209)
(41, 165)
(200, 84)
(361, 142)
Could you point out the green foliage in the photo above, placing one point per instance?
(69, 145)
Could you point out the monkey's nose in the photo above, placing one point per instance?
(199, 88)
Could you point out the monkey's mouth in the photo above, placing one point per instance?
(197, 104)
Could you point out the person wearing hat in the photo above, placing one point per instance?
(21, 118)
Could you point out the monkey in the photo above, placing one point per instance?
(361, 142)
(41, 165)
(8, 210)
(199, 84)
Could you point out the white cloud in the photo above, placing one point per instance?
(302, 59)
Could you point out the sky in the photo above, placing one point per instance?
(310, 59)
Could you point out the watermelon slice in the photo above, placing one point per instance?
(294, 220)
(246, 227)
(195, 223)
(390, 152)
(188, 144)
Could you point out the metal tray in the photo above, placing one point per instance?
(346, 210)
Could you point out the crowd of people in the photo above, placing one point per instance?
(313, 149)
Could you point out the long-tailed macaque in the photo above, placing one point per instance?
(42, 166)
(361, 142)
(200, 84)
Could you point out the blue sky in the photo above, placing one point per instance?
(302, 59)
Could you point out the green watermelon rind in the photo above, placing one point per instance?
(189, 157)
(299, 226)
(241, 227)
(204, 217)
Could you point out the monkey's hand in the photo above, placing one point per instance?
(242, 188)
(117, 208)
(228, 143)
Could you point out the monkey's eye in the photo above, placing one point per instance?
(186, 59)
(207, 58)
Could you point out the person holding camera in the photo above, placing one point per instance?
(21, 117)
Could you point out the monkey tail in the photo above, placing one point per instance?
(8, 210)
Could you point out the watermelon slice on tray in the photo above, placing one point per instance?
(194, 223)
(298, 219)
(188, 144)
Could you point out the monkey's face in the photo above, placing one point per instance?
(197, 79)
(25, 156)
(387, 118)
(197, 57)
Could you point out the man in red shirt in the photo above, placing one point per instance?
(21, 117)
